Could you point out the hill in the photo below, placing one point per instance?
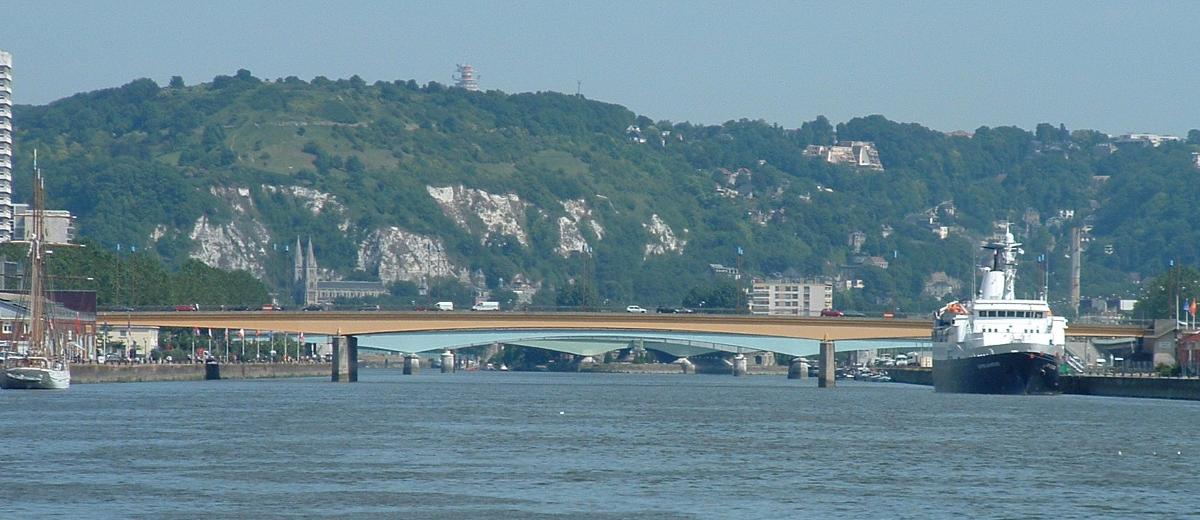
(583, 201)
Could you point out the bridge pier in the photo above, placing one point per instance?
(798, 369)
(828, 366)
(412, 364)
(447, 362)
(345, 359)
(739, 365)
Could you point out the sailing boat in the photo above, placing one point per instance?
(45, 365)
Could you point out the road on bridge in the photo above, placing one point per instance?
(378, 322)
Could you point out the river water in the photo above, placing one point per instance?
(551, 445)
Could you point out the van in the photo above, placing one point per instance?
(486, 306)
(443, 306)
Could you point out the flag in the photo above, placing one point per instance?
(210, 332)
(1192, 308)
(242, 333)
(195, 331)
(740, 252)
(301, 340)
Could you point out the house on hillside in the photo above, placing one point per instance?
(862, 154)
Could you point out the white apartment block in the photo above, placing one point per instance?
(6, 147)
(791, 297)
(60, 225)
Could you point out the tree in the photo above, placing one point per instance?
(723, 294)
(176, 82)
(1193, 136)
(578, 295)
(1179, 283)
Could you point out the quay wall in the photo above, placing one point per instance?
(1132, 386)
(86, 373)
(1099, 385)
(911, 375)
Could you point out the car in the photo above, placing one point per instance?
(635, 309)
(832, 313)
(314, 308)
(666, 310)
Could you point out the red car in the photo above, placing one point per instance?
(832, 313)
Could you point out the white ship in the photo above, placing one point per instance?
(998, 344)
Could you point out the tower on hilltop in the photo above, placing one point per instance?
(6, 147)
(465, 79)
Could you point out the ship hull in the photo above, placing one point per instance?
(28, 378)
(1013, 373)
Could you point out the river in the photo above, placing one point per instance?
(555, 445)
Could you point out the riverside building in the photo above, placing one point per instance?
(790, 297)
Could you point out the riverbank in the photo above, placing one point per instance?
(672, 368)
(96, 373)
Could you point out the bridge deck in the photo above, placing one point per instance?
(376, 322)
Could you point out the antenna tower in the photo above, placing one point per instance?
(465, 78)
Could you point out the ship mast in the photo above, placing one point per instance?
(37, 310)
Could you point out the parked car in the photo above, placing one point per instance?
(635, 309)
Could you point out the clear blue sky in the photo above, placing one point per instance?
(1113, 66)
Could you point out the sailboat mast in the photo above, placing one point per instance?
(37, 333)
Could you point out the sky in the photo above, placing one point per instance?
(1117, 67)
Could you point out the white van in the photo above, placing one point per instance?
(443, 306)
(486, 306)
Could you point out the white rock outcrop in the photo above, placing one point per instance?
(500, 214)
(240, 244)
(316, 201)
(403, 256)
(663, 239)
(570, 239)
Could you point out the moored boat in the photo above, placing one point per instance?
(997, 343)
(45, 363)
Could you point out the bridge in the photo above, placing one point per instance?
(585, 334)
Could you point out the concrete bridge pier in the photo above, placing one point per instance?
(739, 365)
(798, 369)
(828, 366)
(412, 364)
(447, 362)
(345, 359)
